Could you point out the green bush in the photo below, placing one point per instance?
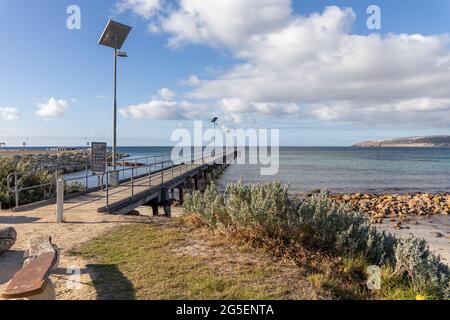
(6, 167)
(264, 208)
(266, 211)
(208, 204)
(27, 178)
(338, 229)
(425, 270)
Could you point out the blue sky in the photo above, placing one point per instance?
(234, 75)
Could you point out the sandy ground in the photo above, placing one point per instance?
(436, 230)
(78, 229)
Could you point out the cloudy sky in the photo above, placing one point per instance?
(311, 68)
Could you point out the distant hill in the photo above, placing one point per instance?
(431, 141)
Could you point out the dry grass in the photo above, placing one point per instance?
(331, 276)
(174, 260)
(182, 259)
(264, 216)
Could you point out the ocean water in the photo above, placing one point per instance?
(341, 169)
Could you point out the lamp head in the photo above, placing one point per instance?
(114, 35)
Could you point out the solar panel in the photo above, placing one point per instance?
(114, 35)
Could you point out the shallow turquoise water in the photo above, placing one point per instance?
(345, 169)
(348, 169)
(356, 170)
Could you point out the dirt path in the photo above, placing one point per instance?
(78, 229)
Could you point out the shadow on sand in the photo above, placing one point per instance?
(10, 263)
(110, 283)
(18, 220)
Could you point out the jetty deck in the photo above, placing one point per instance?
(156, 189)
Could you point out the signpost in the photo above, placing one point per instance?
(98, 157)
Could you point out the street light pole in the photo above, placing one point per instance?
(214, 120)
(114, 36)
(114, 146)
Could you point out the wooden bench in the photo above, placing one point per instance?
(42, 257)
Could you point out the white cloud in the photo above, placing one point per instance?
(9, 114)
(426, 111)
(237, 106)
(219, 22)
(160, 110)
(154, 28)
(193, 80)
(290, 59)
(52, 108)
(231, 111)
(145, 8)
(166, 94)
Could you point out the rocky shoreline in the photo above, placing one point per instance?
(68, 161)
(65, 161)
(396, 207)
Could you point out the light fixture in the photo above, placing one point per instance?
(214, 120)
(114, 36)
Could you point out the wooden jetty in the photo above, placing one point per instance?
(156, 189)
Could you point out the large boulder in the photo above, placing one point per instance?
(8, 237)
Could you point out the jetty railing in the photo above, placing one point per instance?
(161, 172)
(77, 180)
(132, 168)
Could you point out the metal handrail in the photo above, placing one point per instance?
(132, 168)
(163, 169)
(15, 176)
(61, 168)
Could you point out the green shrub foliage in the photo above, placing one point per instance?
(422, 267)
(266, 211)
(27, 177)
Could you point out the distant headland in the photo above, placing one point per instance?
(411, 142)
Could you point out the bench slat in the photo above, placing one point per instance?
(32, 279)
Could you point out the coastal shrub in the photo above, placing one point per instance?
(337, 228)
(6, 166)
(27, 177)
(208, 205)
(425, 270)
(266, 211)
(73, 187)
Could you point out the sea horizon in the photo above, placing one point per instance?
(339, 169)
(45, 148)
